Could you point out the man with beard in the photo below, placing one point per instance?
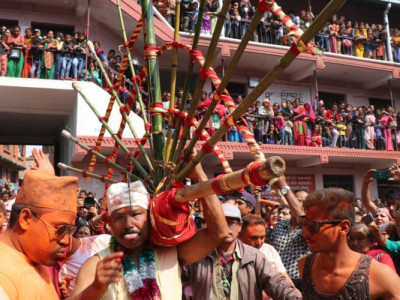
(131, 268)
(38, 235)
(236, 271)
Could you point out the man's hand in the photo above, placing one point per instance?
(42, 161)
(108, 270)
(93, 211)
(198, 172)
(368, 176)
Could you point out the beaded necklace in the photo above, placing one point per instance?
(141, 283)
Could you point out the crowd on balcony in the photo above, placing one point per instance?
(293, 123)
(51, 56)
(341, 36)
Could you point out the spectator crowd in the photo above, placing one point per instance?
(277, 241)
(354, 38)
(293, 123)
(52, 56)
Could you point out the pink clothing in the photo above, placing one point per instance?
(3, 64)
(19, 39)
(310, 112)
(384, 257)
(387, 132)
(279, 123)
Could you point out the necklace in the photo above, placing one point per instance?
(141, 282)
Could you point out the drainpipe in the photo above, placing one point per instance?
(386, 20)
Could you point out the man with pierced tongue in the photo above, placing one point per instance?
(38, 235)
(132, 269)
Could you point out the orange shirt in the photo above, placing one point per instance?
(21, 280)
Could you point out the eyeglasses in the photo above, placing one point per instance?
(315, 226)
(60, 231)
(232, 223)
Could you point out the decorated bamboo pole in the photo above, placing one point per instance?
(173, 79)
(68, 135)
(231, 68)
(257, 173)
(188, 78)
(86, 174)
(200, 84)
(128, 45)
(117, 139)
(272, 75)
(150, 54)
(123, 112)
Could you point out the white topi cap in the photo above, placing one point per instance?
(121, 195)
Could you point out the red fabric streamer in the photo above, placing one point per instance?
(84, 173)
(117, 135)
(157, 105)
(189, 122)
(215, 185)
(108, 158)
(206, 148)
(294, 50)
(109, 176)
(113, 87)
(198, 134)
(147, 126)
(138, 140)
(123, 109)
(263, 6)
(254, 174)
(152, 48)
(164, 209)
(171, 111)
(93, 149)
(102, 118)
(204, 74)
(135, 79)
(178, 44)
(129, 154)
(181, 115)
(194, 53)
(126, 44)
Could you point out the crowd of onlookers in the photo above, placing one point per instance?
(306, 124)
(52, 56)
(342, 36)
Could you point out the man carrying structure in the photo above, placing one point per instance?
(333, 271)
(130, 266)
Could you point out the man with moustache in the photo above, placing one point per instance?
(333, 271)
(131, 268)
(38, 235)
(235, 270)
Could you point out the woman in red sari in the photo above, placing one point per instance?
(27, 53)
(300, 127)
(387, 131)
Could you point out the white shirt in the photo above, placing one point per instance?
(273, 257)
(89, 246)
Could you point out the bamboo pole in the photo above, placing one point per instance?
(128, 52)
(153, 84)
(200, 84)
(272, 167)
(272, 75)
(77, 88)
(229, 72)
(173, 78)
(68, 136)
(91, 175)
(187, 80)
(115, 95)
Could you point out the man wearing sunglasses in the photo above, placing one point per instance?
(333, 270)
(40, 227)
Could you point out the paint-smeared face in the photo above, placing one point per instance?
(254, 236)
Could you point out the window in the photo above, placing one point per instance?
(379, 103)
(8, 23)
(330, 98)
(340, 181)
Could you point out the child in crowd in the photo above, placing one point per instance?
(251, 121)
(37, 53)
(316, 139)
(4, 48)
(194, 16)
(272, 136)
(66, 52)
(288, 129)
(341, 128)
(280, 126)
(380, 140)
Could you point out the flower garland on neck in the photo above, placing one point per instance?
(141, 283)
